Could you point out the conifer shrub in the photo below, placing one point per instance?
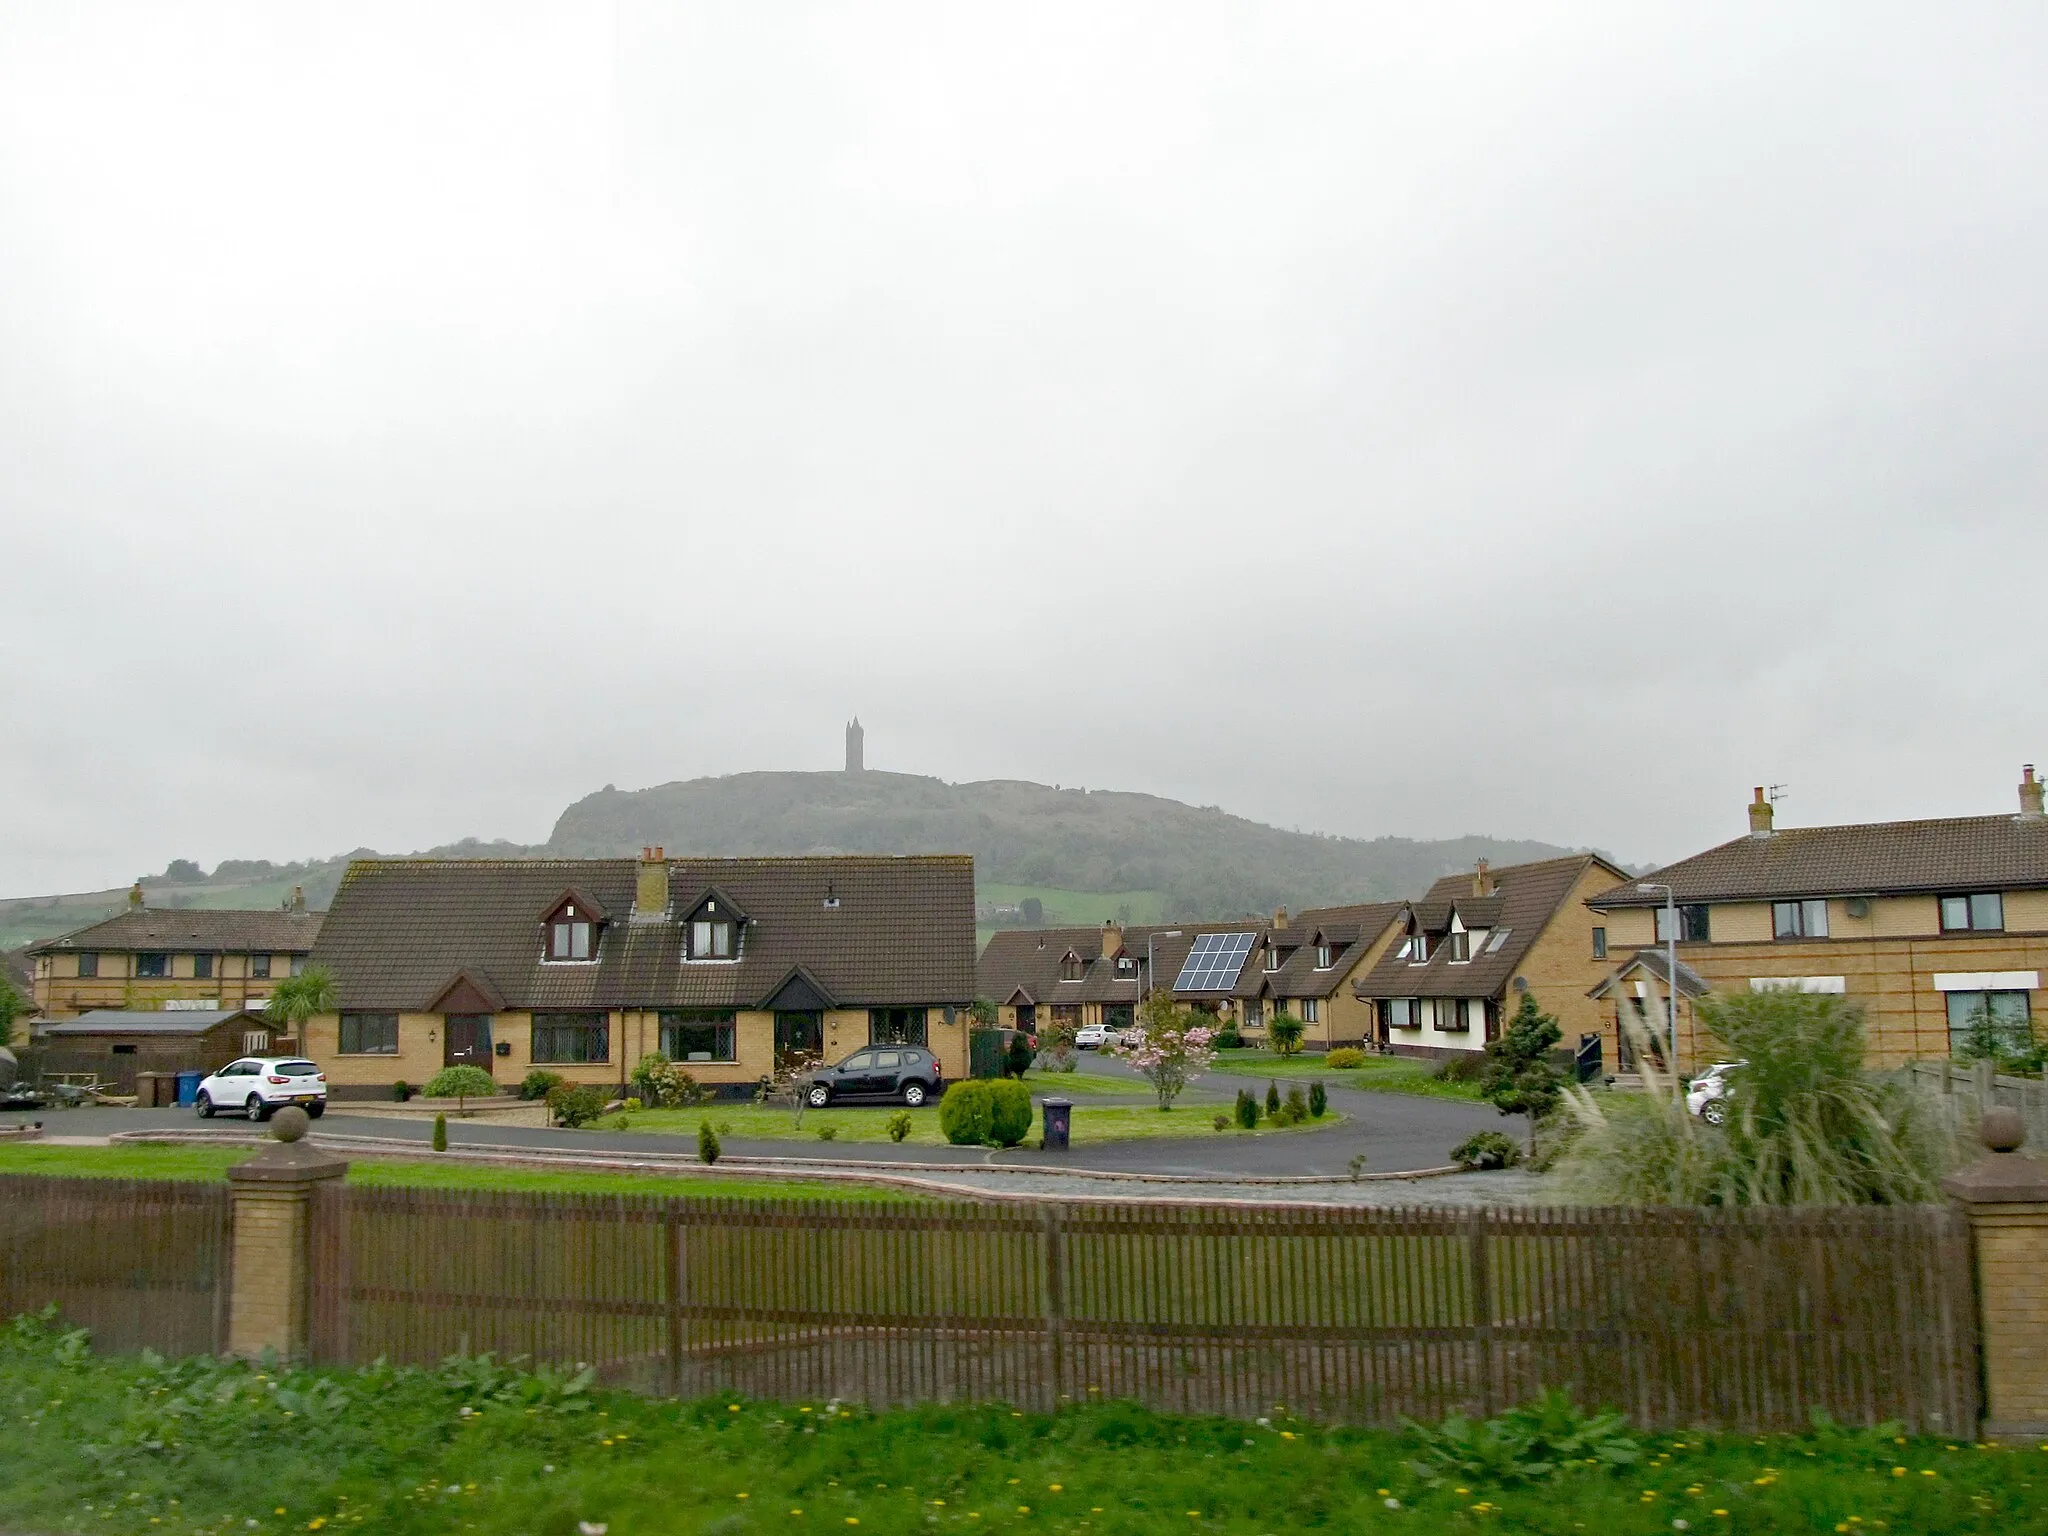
(708, 1149)
(1272, 1099)
(440, 1133)
(1247, 1109)
(1318, 1100)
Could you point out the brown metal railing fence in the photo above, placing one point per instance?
(141, 1263)
(1746, 1319)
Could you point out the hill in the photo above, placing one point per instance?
(1199, 860)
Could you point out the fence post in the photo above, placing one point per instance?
(1051, 1221)
(672, 1258)
(1479, 1263)
(2006, 1199)
(270, 1307)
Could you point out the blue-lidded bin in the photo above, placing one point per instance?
(188, 1088)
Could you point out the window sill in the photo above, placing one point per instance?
(547, 961)
(711, 959)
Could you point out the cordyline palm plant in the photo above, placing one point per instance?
(1807, 1124)
(298, 998)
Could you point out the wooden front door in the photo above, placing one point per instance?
(466, 1040)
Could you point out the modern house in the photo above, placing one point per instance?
(729, 967)
(1931, 925)
(150, 958)
(1469, 950)
(1243, 972)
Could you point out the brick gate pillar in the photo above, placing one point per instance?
(270, 1305)
(2006, 1198)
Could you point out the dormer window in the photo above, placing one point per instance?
(1322, 957)
(1126, 966)
(1272, 957)
(712, 931)
(710, 938)
(1071, 967)
(1418, 949)
(569, 937)
(569, 931)
(1461, 946)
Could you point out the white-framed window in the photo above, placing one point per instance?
(1418, 949)
(1272, 957)
(1461, 946)
(710, 939)
(1980, 1021)
(1311, 1010)
(1322, 957)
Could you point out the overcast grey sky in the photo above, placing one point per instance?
(1543, 421)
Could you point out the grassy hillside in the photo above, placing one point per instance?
(1185, 861)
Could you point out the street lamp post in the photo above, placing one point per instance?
(1671, 964)
(1146, 983)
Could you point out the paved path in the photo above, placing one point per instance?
(1395, 1132)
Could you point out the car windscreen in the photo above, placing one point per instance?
(298, 1068)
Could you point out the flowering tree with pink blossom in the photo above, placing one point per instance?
(1169, 1046)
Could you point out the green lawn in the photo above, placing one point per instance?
(135, 1447)
(201, 1163)
(1092, 1123)
(1380, 1074)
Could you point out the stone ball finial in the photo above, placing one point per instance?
(290, 1123)
(2002, 1129)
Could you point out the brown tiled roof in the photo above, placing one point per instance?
(1525, 899)
(902, 933)
(1962, 853)
(1029, 959)
(195, 930)
(1350, 931)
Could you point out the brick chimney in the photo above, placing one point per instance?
(1279, 917)
(1760, 813)
(1112, 939)
(650, 889)
(298, 898)
(1482, 879)
(135, 896)
(2030, 794)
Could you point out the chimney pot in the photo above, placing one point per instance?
(1482, 879)
(1760, 814)
(2030, 794)
(1279, 917)
(135, 894)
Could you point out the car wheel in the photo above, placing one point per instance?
(315, 1111)
(913, 1094)
(819, 1096)
(204, 1105)
(256, 1109)
(1715, 1111)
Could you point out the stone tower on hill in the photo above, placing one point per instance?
(856, 747)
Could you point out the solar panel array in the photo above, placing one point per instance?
(1212, 965)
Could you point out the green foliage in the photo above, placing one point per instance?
(967, 1112)
(12, 1006)
(1272, 1098)
(708, 1149)
(2010, 1045)
(1010, 1113)
(1520, 1078)
(460, 1084)
(663, 1084)
(1018, 1054)
(401, 1090)
(1247, 1109)
(1465, 1067)
(1221, 1122)
(1487, 1149)
(1318, 1100)
(1549, 1438)
(538, 1083)
(1807, 1124)
(898, 1125)
(1295, 1108)
(1344, 1058)
(1228, 1040)
(575, 1104)
(828, 1132)
(295, 999)
(440, 1133)
(1284, 1030)
(982, 1011)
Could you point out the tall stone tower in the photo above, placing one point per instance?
(856, 747)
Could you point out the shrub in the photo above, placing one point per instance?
(828, 1132)
(1247, 1109)
(1487, 1149)
(1272, 1098)
(663, 1084)
(898, 1125)
(632, 1107)
(535, 1084)
(1285, 1031)
(707, 1143)
(1344, 1058)
(575, 1104)
(460, 1084)
(1009, 1113)
(1465, 1067)
(1520, 1078)
(440, 1133)
(1222, 1122)
(966, 1112)
(401, 1090)
(1296, 1107)
(1228, 1040)
(1018, 1054)
(1318, 1099)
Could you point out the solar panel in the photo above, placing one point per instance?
(1212, 965)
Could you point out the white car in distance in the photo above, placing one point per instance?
(259, 1086)
(1707, 1094)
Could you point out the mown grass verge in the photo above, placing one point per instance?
(1380, 1074)
(143, 1161)
(137, 1447)
(1092, 1123)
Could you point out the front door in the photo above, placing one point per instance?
(466, 1040)
(799, 1038)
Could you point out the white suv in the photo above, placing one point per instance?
(260, 1085)
(1707, 1094)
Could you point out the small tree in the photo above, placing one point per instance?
(1318, 1099)
(460, 1084)
(982, 1013)
(1520, 1079)
(1285, 1031)
(298, 998)
(1272, 1098)
(1019, 1055)
(440, 1133)
(12, 1006)
(1247, 1110)
(1170, 1044)
(708, 1149)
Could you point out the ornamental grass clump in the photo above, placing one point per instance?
(1807, 1125)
